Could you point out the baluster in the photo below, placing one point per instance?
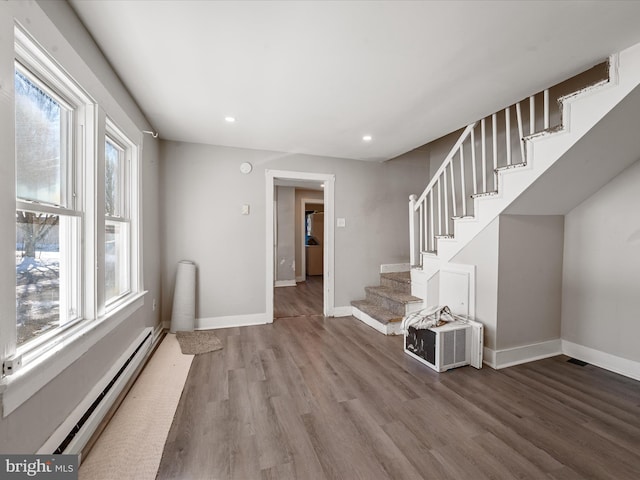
(532, 115)
(421, 227)
(494, 127)
(412, 229)
(433, 232)
(453, 192)
(439, 206)
(520, 132)
(446, 203)
(546, 109)
(463, 187)
(483, 138)
(507, 133)
(473, 162)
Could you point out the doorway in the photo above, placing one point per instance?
(324, 285)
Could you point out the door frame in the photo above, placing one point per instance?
(329, 235)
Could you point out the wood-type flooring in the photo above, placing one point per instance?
(329, 398)
(302, 300)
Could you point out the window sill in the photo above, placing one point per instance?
(22, 385)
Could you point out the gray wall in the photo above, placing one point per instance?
(285, 247)
(529, 279)
(482, 252)
(203, 191)
(601, 277)
(57, 28)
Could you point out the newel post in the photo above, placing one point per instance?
(412, 230)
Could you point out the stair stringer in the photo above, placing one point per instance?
(581, 112)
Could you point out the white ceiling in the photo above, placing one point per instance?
(314, 77)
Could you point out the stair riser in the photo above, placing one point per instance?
(399, 286)
(396, 307)
(388, 329)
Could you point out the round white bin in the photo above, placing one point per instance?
(183, 315)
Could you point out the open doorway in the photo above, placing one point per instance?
(291, 291)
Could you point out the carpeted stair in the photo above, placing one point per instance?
(385, 305)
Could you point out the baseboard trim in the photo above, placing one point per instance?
(300, 279)
(489, 357)
(527, 353)
(210, 323)
(395, 267)
(285, 283)
(613, 363)
(343, 311)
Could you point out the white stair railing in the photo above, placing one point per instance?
(489, 141)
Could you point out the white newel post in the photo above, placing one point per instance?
(412, 230)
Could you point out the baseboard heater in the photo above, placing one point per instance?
(77, 429)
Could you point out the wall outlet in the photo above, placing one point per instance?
(12, 365)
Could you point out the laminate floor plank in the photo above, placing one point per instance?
(317, 398)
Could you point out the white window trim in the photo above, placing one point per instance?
(52, 359)
(44, 360)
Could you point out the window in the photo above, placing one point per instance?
(47, 221)
(77, 258)
(118, 149)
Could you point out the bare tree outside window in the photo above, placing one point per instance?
(40, 177)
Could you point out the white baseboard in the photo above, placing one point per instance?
(301, 279)
(395, 267)
(489, 357)
(232, 321)
(527, 353)
(285, 283)
(89, 427)
(613, 363)
(343, 311)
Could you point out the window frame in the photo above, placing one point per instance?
(128, 215)
(32, 62)
(46, 355)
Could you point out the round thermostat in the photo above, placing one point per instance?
(246, 167)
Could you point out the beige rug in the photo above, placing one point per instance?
(131, 445)
(199, 341)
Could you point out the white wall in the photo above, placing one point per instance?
(285, 247)
(529, 279)
(203, 191)
(57, 28)
(601, 276)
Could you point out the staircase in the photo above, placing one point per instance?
(496, 162)
(496, 159)
(386, 304)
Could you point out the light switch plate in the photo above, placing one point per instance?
(245, 209)
(341, 222)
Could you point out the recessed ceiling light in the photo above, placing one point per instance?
(229, 119)
(367, 138)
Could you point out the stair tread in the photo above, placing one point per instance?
(402, 277)
(376, 312)
(485, 194)
(393, 294)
